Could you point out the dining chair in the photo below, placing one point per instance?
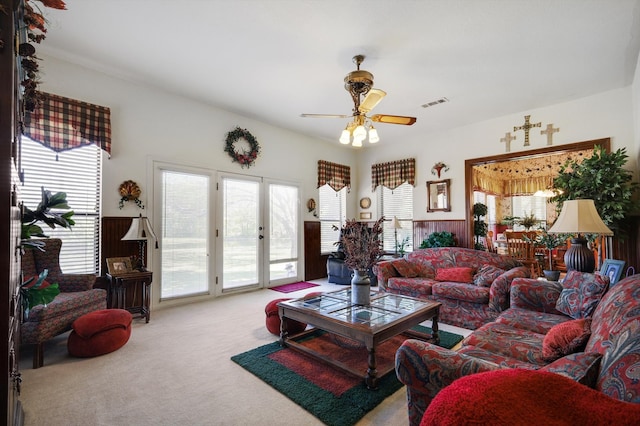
(521, 246)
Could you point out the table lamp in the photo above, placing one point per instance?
(579, 217)
(396, 225)
(141, 231)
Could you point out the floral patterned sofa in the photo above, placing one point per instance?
(560, 328)
(472, 285)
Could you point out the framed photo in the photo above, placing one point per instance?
(612, 269)
(365, 215)
(119, 265)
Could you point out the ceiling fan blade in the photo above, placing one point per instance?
(393, 119)
(371, 100)
(325, 115)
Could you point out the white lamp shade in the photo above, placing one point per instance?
(140, 229)
(360, 133)
(373, 135)
(579, 217)
(345, 137)
(357, 141)
(396, 223)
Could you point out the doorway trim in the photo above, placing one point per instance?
(511, 156)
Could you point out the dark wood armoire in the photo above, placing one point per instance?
(10, 119)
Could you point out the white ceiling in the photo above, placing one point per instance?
(272, 60)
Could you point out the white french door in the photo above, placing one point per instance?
(258, 232)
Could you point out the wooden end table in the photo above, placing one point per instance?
(119, 284)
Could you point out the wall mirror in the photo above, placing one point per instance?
(438, 197)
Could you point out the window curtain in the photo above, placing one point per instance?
(337, 176)
(62, 124)
(394, 173)
(487, 183)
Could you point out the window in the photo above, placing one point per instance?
(332, 213)
(490, 202)
(77, 172)
(398, 203)
(522, 206)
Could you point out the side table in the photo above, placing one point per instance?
(137, 282)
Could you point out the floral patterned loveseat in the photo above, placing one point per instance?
(597, 345)
(472, 285)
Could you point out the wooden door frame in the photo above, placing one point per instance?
(522, 155)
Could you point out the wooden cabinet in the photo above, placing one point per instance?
(10, 118)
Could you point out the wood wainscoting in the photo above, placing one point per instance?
(315, 263)
(423, 228)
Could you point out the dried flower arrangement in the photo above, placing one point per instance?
(361, 244)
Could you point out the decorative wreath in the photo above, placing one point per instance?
(245, 158)
(130, 191)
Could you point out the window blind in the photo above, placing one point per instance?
(76, 172)
(332, 214)
(398, 203)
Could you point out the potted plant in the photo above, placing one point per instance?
(602, 179)
(50, 211)
(550, 242)
(362, 248)
(480, 227)
(528, 221)
(402, 246)
(439, 239)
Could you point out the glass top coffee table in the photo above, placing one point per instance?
(385, 317)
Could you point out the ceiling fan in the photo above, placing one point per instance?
(359, 83)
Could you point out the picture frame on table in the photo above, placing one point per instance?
(613, 269)
(119, 265)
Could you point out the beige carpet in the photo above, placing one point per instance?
(176, 370)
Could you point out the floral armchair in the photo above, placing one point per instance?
(77, 297)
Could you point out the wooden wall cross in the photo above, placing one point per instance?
(526, 127)
(550, 130)
(507, 140)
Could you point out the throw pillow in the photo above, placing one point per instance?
(486, 275)
(405, 268)
(581, 293)
(566, 338)
(456, 275)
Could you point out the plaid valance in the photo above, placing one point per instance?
(394, 173)
(61, 123)
(337, 176)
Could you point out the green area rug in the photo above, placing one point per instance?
(337, 399)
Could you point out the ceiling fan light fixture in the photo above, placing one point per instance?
(359, 132)
(345, 137)
(373, 135)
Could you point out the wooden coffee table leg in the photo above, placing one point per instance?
(284, 332)
(434, 330)
(372, 372)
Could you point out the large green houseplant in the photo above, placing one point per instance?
(480, 227)
(53, 211)
(603, 179)
(439, 239)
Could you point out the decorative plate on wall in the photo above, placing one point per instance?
(365, 202)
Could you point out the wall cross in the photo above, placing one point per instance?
(550, 130)
(526, 127)
(507, 140)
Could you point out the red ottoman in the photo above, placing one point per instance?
(99, 332)
(273, 319)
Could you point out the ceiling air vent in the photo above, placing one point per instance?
(436, 102)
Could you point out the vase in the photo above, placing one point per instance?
(360, 288)
(551, 275)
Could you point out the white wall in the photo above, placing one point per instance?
(608, 114)
(148, 123)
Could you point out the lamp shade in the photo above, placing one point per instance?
(579, 217)
(139, 230)
(396, 223)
